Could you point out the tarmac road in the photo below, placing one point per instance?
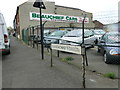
(23, 68)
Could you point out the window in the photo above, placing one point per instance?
(88, 33)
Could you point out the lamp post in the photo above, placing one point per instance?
(83, 52)
(39, 4)
(83, 29)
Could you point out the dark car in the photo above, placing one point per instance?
(37, 38)
(98, 34)
(54, 37)
(109, 46)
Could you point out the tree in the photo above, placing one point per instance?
(10, 30)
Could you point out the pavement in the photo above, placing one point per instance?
(23, 68)
(0, 70)
(95, 62)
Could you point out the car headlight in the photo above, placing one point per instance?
(53, 40)
(60, 41)
(113, 52)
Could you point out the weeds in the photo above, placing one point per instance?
(111, 75)
(69, 58)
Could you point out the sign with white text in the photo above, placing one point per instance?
(67, 48)
(57, 18)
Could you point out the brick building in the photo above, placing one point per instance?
(55, 15)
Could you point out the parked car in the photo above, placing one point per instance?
(98, 33)
(46, 33)
(109, 46)
(54, 37)
(4, 37)
(37, 38)
(75, 38)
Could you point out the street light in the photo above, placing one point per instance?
(39, 4)
(83, 22)
(84, 57)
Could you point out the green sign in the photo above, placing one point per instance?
(57, 18)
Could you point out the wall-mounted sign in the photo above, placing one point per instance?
(67, 48)
(57, 18)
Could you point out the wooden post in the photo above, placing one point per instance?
(58, 52)
(37, 37)
(86, 58)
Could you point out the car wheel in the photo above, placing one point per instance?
(8, 52)
(92, 46)
(96, 41)
(98, 50)
(106, 59)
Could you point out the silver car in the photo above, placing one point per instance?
(75, 38)
(54, 37)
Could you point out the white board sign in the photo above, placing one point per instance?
(67, 48)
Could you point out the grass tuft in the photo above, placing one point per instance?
(69, 58)
(110, 75)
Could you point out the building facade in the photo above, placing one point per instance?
(55, 15)
(98, 25)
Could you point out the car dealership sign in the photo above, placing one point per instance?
(67, 48)
(57, 18)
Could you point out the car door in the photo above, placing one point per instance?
(89, 37)
(102, 43)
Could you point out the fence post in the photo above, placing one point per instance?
(83, 64)
(33, 37)
(37, 37)
(58, 52)
(86, 58)
(28, 37)
(51, 57)
(23, 34)
(83, 53)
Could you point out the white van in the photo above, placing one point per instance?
(4, 37)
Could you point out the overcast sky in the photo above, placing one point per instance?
(105, 11)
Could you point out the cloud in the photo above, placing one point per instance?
(8, 8)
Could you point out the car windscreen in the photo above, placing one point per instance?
(113, 38)
(99, 32)
(74, 33)
(57, 33)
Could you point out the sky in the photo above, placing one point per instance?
(105, 11)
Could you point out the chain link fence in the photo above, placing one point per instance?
(106, 40)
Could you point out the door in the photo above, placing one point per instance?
(102, 43)
(89, 37)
